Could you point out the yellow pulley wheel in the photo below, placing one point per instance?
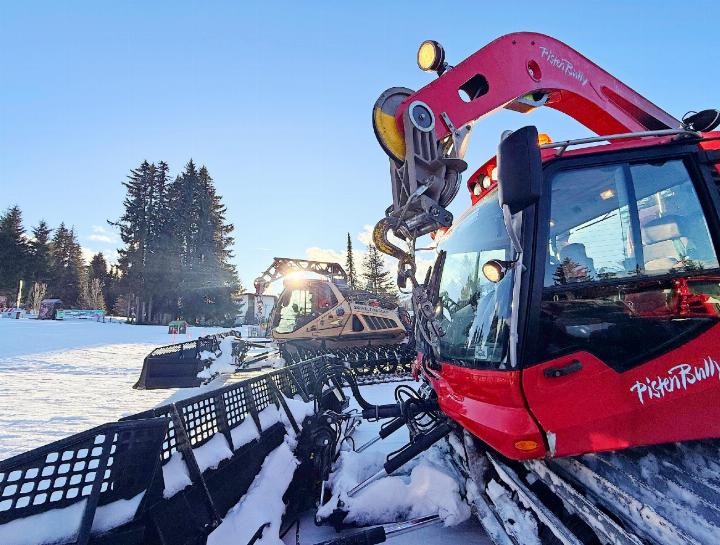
(384, 124)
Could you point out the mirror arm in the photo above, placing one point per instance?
(510, 227)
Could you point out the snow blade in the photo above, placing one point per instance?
(177, 365)
(67, 484)
(166, 476)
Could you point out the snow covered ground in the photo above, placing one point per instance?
(59, 378)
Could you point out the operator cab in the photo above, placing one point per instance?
(301, 302)
(615, 298)
(622, 240)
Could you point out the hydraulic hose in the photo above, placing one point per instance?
(403, 410)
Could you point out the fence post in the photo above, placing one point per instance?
(184, 446)
(279, 397)
(221, 417)
(88, 515)
(252, 406)
(302, 390)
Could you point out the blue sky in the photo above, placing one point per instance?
(275, 98)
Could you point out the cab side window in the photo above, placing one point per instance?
(324, 298)
(631, 269)
(589, 227)
(674, 233)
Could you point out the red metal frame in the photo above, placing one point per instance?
(491, 406)
(518, 64)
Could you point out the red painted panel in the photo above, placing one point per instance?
(674, 397)
(712, 144)
(490, 405)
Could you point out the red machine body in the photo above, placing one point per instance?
(577, 402)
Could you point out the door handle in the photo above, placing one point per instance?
(564, 370)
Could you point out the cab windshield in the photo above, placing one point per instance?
(301, 305)
(475, 313)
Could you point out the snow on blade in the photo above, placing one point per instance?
(299, 409)
(213, 452)
(261, 504)
(62, 525)
(175, 475)
(244, 433)
(57, 525)
(268, 416)
(247, 430)
(115, 514)
(222, 364)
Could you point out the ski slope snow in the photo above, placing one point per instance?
(62, 377)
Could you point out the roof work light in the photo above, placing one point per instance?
(431, 57)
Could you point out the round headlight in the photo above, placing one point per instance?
(486, 181)
(430, 56)
(495, 269)
(477, 189)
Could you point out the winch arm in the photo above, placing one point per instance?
(525, 70)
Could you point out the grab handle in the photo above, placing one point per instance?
(562, 371)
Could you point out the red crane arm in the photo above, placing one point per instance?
(525, 63)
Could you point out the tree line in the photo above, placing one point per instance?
(374, 277)
(175, 260)
(174, 263)
(51, 264)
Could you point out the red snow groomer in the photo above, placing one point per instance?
(575, 306)
(577, 302)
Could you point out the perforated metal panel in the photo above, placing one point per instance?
(236, 407)
(118, 460)
(200, 419)
(121, 456)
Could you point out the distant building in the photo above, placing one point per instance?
(248, 312)
(49, 309)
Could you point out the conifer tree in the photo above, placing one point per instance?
(14, 250)
(209, 279)
(113, 289)
(67, 265)
(378, 279)
(135, 231)
(177, 248)
(98, 267)
(350, 265)
(160, 264)
(41, 263)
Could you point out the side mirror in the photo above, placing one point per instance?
(520, 169)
